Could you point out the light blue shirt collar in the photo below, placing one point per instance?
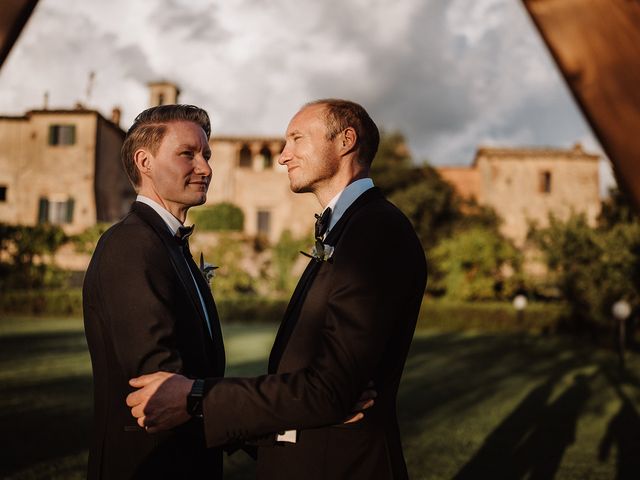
(172, 222)
(343, 200)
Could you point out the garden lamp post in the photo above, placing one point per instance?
(520, 303)
(621, 311)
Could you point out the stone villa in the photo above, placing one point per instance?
(63, 167)
(524, 185)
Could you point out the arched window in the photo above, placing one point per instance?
(245, 157)
(266, 157)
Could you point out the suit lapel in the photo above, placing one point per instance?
(284, 331)
(214, 320)
(292, 312)
(176, 257)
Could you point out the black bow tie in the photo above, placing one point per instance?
(322, 223)
(183, 234)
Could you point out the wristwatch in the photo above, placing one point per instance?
(194, 399)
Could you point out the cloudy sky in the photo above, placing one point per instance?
(450, 74)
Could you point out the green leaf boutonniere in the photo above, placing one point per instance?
(208, 270)
(321, 252)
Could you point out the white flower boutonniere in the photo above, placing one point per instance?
(208, 270)
(321, 252)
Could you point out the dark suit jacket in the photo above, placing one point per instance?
(142, 314)
(350, 320)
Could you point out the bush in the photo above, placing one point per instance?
(86, 241)
(475, 264)
(285, 253)
(230, 253)
(29, 251)
(220, 217)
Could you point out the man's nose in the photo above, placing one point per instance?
(285, 156)
(202, 167)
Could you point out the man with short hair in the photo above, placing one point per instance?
(147, 307)
(350, 320)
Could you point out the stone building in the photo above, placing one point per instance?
(246, 173)
(524, 185)
(62, 167)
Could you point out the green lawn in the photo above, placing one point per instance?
(471, 405)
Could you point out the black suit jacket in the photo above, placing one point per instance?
(350, 320)
(142, 314)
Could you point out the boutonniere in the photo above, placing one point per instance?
(321, 252)
(208, 270)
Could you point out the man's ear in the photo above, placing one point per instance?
(349, 140)
(142, 159)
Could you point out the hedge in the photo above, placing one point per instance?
(491, 316)
(69, 302)
(219, 217)
(440, 315)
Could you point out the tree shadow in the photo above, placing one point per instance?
(450, 373)
(623, 431)
(532, 440)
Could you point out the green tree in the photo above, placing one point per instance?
(475, 264)
(27, 255)
(592, 267)
(616, 209)
(419, 191)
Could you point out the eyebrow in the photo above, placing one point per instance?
(188, 146)
(295, 132)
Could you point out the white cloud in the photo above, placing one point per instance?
(450, 74)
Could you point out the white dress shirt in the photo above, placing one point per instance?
(173, 224)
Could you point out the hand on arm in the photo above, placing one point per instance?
(161, 401)
(366, 400)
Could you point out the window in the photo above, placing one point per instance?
(245, 157)
(545, 182)
(56, 212)
(264, 222)
(160, 99)
(266, 157)
(62, 134)
(3, 193)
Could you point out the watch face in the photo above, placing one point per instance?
(194, 399)
(194, 407)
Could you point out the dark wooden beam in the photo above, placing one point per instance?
(596, 44)
(13, 17)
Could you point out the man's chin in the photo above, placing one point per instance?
(199, 200)
(299, 188)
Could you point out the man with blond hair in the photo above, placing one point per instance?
(147, 307)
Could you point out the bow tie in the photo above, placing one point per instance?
(322, 223)
(183, 234)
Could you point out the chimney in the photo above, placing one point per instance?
(116, 113)
(46, 101)
(163, 93)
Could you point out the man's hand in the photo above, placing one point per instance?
(365, 401)
(161, 402)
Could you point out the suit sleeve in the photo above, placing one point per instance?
(374, 276)
(137, 295)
